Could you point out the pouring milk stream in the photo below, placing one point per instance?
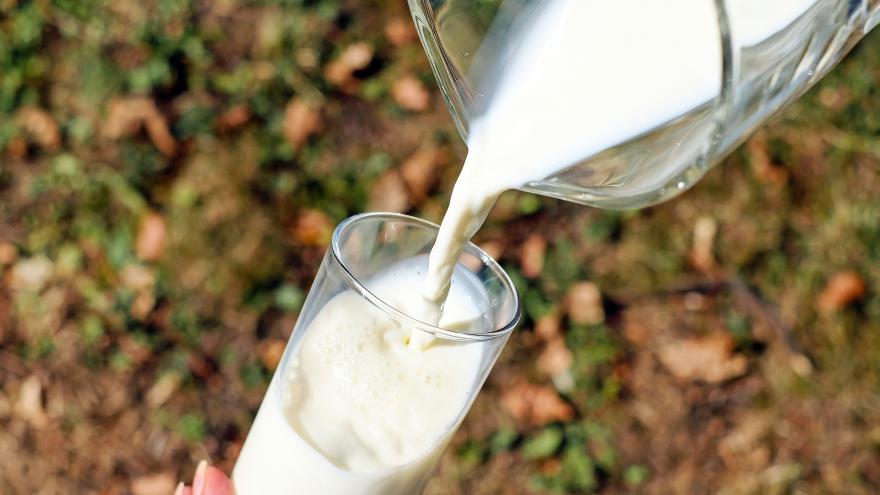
(578, 83)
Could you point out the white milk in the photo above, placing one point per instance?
(357, 410)
(588, 75)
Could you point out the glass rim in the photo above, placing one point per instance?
(406, 319)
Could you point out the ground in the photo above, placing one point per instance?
(170, 173)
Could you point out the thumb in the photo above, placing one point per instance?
(211, 481)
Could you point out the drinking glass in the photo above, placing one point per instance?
(276, 459)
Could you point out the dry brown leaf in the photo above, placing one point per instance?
(161, 136)
(549, 326)
(843, 289)
(137, 351)
(8, 253)
(584, 304)
(835, 98)
(301, 120)
(419, 171)
(389, 194)
(143, 305)
(137, 277)
(200, 366)
(340, 71)
(555, 358)
(140, 279)
(40, 126)
(762, 163)
(31, 273)
(30, 402)
(126, 116)
(411, 94)
(707, 359)
(400, 31)
(313, 228)
(271, 352)
(744, 438)
(17, 148)
(163, 389)
(704, 240)
(150, 242)
(636, 332)
(551, 466)
(233, 118)
(531, 258)
(535, 404)
(154, 484)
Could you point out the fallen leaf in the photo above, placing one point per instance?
(271, 352)
(548, 326)
(301, 120)
(200, 365)
(704, 239)
(150, 242)
(140, 279)
(313, 228)
(389, 194)
(535, 404)
(551, 467)
(340, 71)
(17, 148)
(400, 31)
(30, 402)
(8, 253)
(31, 273)
(126, 116)
(163, 389)
(843, 289)
(694, 301)
(419, 172)
(137, 350)
(154, 484)
(707, 359)
(411, 94)
(555, 358)
(142, 305)
(744, 438)
(233, 118)
(137, 277)
(635, 332)
(762, 163)
(584, 304)
(531, 257)
(40, 126)
(835, 98)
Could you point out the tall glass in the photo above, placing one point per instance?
(674, 85)
(313, 453)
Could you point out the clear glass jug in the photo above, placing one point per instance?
(763, 55)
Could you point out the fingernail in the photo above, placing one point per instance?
(199, 478)
(179, 489)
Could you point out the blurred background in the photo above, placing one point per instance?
(170, 174)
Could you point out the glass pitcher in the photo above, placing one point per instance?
(723, 71)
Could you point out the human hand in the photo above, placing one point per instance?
(208, 480)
